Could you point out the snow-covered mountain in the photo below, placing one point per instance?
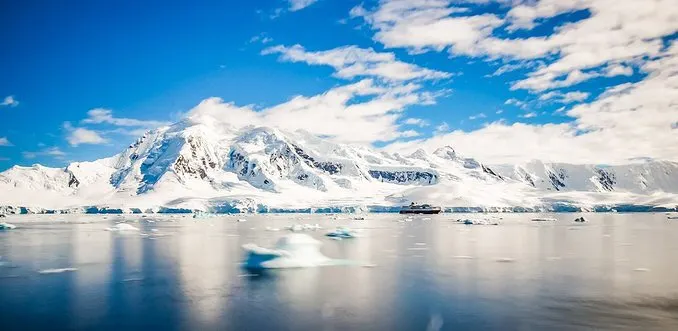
(197, 165)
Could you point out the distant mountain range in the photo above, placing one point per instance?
(193, 165)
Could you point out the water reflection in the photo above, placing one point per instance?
(616, 271)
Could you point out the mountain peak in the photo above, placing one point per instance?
(446, 152)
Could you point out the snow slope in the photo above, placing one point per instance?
(198, 165)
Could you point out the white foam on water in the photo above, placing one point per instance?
(291, 251)
(56, 271)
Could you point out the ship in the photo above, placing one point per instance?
(414, 208)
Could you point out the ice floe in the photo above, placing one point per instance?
(7, 226)
(544, 219)
(240, 220)
(295, 250)
(303, 227)
(122, 227)
(477, 221)
(56, 271)
(342, 232)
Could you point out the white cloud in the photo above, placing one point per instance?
(529, 115)
(335, 113)
(618, 32)
(352, 61)
(79, 136)
(262, 38)
(618, 70)
(300, 4)
(51, 151)
(4, 142)
(442, 128)
(9, 101)
(629, 121)
(499, 112)
(416, 121)
(569, 97)
(477, 116)
(102, 115)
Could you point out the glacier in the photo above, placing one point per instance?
(201, 165)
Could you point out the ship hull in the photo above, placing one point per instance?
(428, 212)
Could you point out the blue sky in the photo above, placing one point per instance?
(150, 62)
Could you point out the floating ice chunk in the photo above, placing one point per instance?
(154, 230)
(303, 227)
(202, 214)
(672, 217)
(641, 269)
(7, 226)
(291, 251)
(240, 220)
(505, 260)
(435, 323)
(272, 229)
(463, 257)
(580, 219)
(122, 227)
(359, 218)
(56, 271)
(426, 219)
(342, 232)
(477, 222)
(544, 219)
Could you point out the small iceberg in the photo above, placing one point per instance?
(580, 219)
(359, 218)
(240, 220)
(303, 227)
(7, 226)
(342, 232)
(202, 214)
(544, 219)
(294, 250)
(122, 227)
(477, 222)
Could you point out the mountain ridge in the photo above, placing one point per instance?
(199, 165)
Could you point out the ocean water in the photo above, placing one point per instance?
(615, 272)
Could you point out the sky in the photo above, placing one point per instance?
(505, 81)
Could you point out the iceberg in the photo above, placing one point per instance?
(342, 232)
(7, 226)
(291, 251)
(544, 219)
(304, 227)
(477, 222)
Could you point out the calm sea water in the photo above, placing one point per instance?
(618, 271)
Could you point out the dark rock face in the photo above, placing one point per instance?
(329, 167)
(404, 177)
(606, 179)
(72, 181)
(184, 165)
(489, 171)
(557, 180)
(529, 179)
